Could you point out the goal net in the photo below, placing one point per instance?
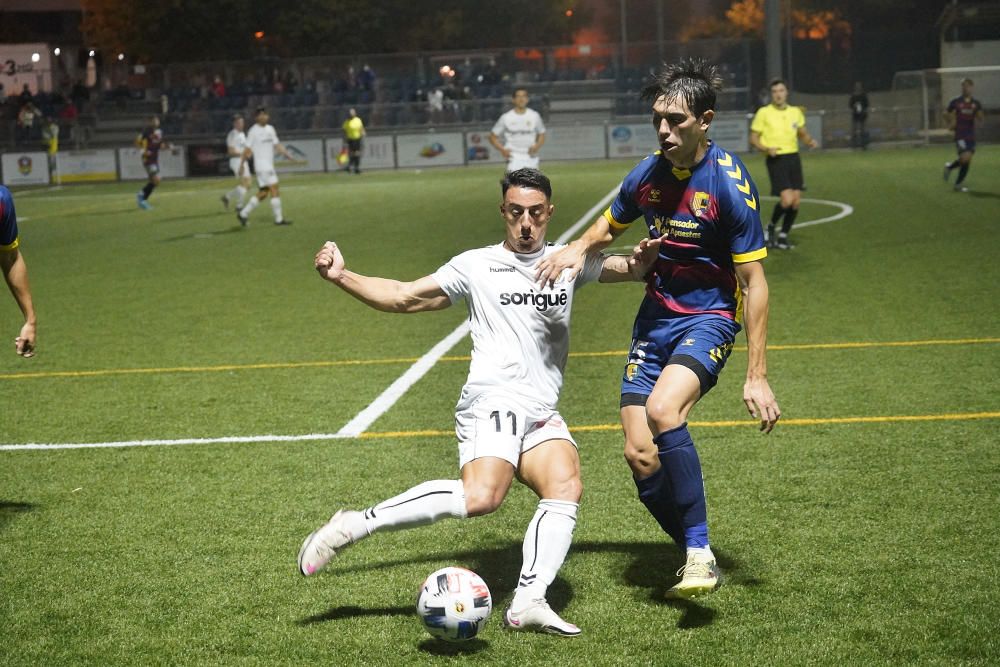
(932, 89)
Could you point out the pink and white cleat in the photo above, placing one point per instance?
(323, 544)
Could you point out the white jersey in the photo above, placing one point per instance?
(236, 140)
(261, 140)
(518, 131)
(520, 333)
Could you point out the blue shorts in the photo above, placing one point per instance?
(699, 342)
(965, 145)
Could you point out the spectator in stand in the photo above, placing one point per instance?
(26, 120)
(859, 114)
(366, 79)
(68, 118)
(80, 95)
(435, 104)
(291, 82)
(218, 87)
(26, 97)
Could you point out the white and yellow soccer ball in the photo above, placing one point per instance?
(454, 603)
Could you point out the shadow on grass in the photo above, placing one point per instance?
(646, 565)
(190, 237)
(353, 611)
(193, 216)
(979, 194)
(9, 510)
(439, 647)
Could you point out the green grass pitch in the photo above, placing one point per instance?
(843, 541)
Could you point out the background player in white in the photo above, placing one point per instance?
(262, 142)
(236, 143)
(506, 419)
(521, 131)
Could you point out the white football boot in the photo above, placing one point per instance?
(699, 576)
(323, 544)
(539, 617)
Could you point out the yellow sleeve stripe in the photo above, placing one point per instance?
(614, 223)
(753, 256)
(12, 246)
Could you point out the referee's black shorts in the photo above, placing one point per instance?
(785, 172)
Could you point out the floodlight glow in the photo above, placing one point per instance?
(35, 57)
(57, 51)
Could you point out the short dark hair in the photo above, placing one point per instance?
(237, 116)
(259, 110)
(515, 91)
(526, 178)
(694, 80)
(776, 82)
(967, 81)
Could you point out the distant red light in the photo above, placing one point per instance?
(569, 13)
(259, 34)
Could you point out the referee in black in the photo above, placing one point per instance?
(776, 130)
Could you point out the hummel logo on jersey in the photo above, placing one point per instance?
(541, 302)
(501, 269)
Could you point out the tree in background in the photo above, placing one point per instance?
(193, 30)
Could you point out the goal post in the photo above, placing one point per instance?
(935, 87)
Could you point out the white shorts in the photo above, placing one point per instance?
(522, 160)
(505, 427)
(267, 178)
(234, 166)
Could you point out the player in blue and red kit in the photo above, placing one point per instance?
(15, 273)
(150, 141)
(700, 200)
(962, 115)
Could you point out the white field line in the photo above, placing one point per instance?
(360, 423)
(845, 210)
(357, 425)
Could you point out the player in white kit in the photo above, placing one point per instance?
(506, 419)
(236, 143)
(262, 142)
(519, 133)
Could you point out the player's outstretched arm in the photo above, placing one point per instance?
(597, 237)
(390, 296)
(620, 268)
(757, 394)
(15, 272)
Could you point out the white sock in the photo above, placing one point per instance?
(276, 207)
(703, 552)
(251, 205)
(421, 505)
(546, 544)
(233, 194)
(241, 194)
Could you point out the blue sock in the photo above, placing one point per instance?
(680, 461)
(658, 501)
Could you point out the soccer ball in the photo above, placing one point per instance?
(454, 604)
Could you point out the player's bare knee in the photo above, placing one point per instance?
(480, 500)
(569, 489)
(663, 416)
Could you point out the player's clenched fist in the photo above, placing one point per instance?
(330, 261)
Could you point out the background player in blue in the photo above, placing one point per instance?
(962, 114)
(15, 272)
(700, 201)
(150, 141)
